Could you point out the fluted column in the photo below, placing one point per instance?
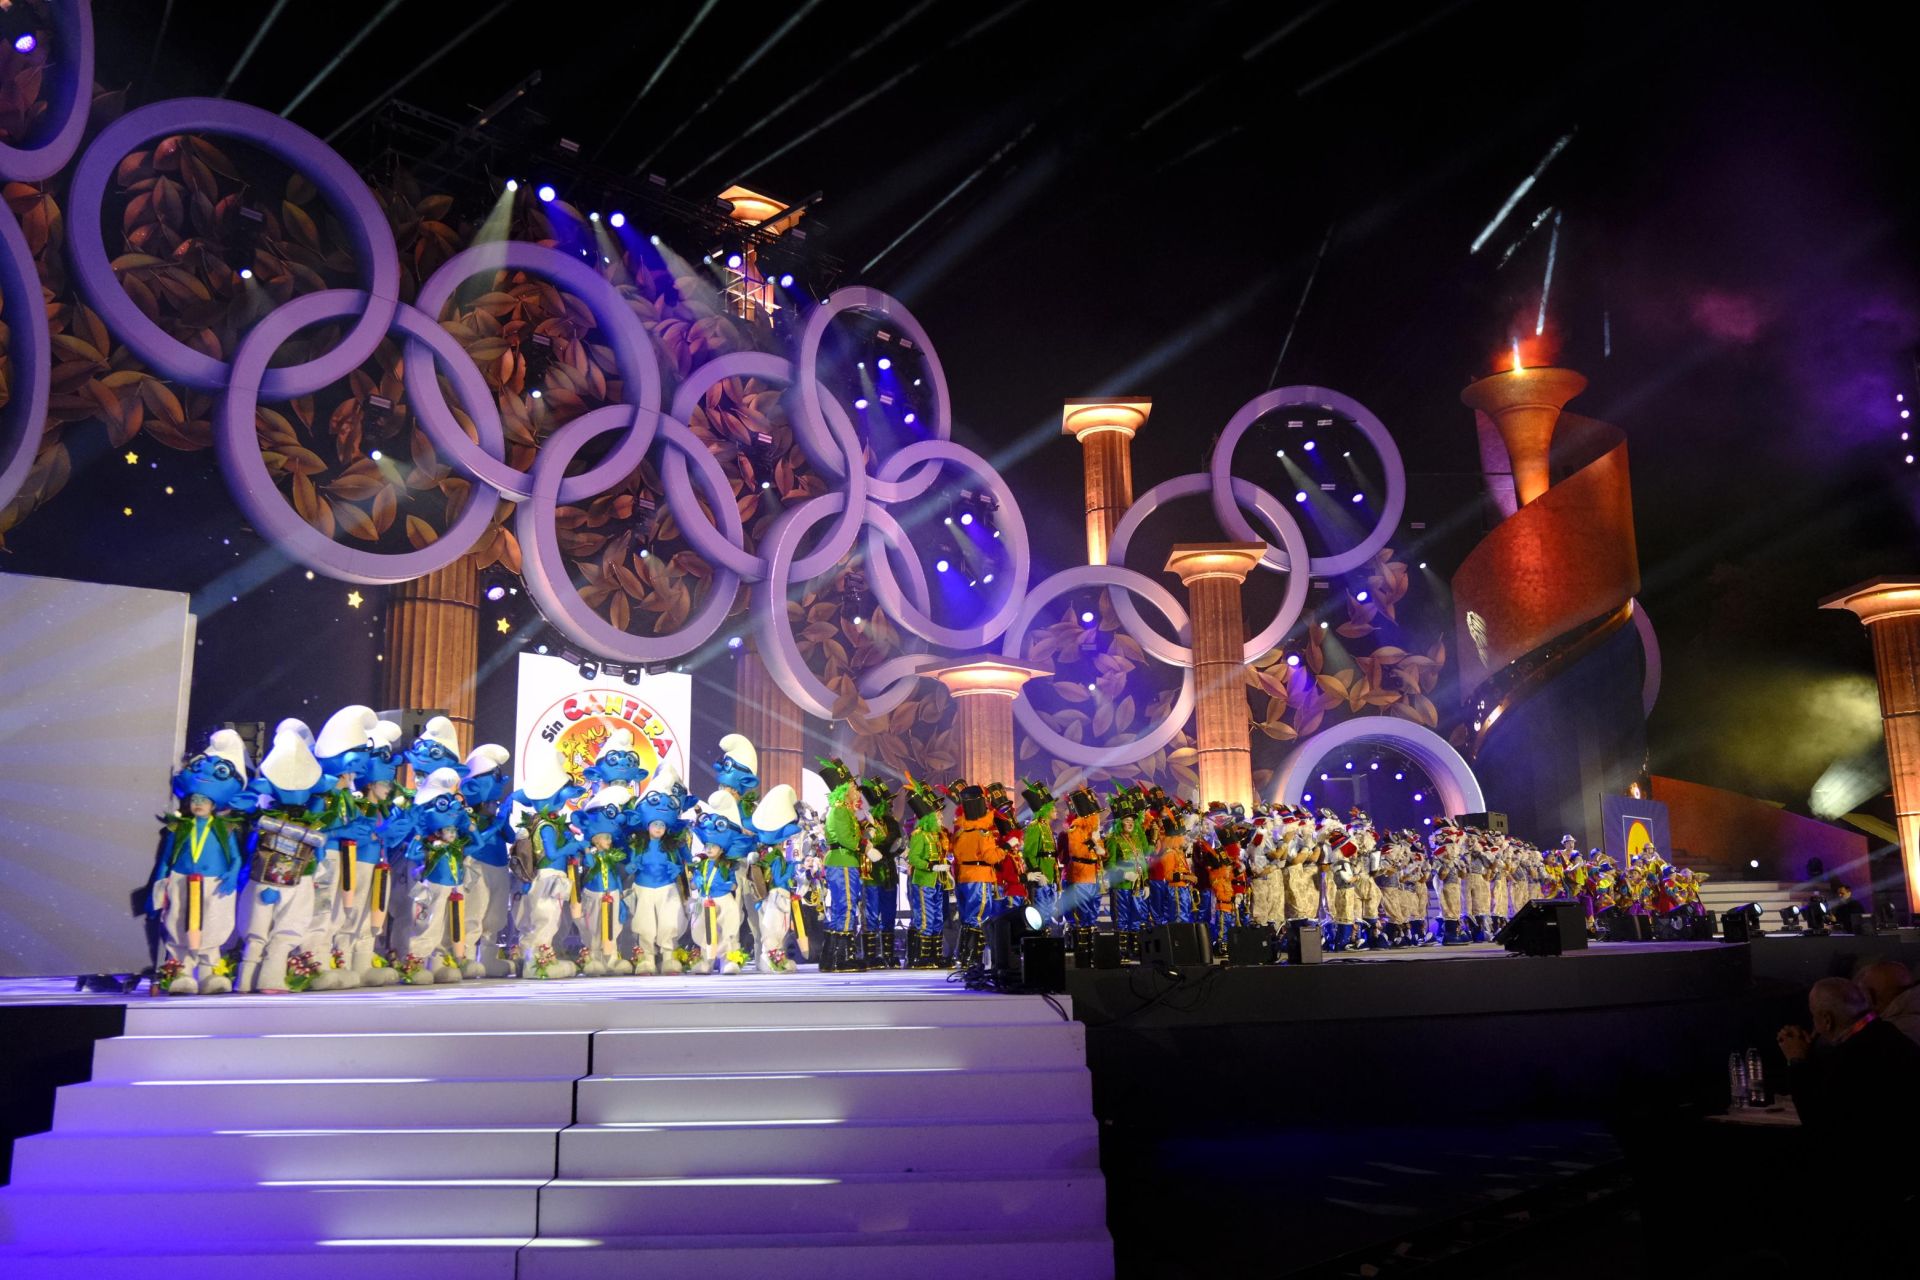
(433, 643)
(1525, 404)
(1105, 430)
(983, 691)
(1212, 573)
(1890, 608)
(770, 720)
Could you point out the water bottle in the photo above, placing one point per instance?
(1756, 1080)
(1736, 1081)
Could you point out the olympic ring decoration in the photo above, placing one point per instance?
(690, 474)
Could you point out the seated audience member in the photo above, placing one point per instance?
(1895, 999)
(1855, 1076)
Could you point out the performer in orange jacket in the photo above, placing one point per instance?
(1170, 878)
(976, 853)
(1085, 862)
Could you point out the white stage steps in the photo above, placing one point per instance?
(1719, 896)
(851, 1127)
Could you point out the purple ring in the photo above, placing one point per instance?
(1116, 579)
(886, 587)
(809, 422)
(1227, 510)
(358, 211)
(237, 443)
(544, 565)
(23, 422)
(778, 649)
(701, 534)
(70, 99)
(1278, 519)
(632, 352)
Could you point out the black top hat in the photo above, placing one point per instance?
(1036, 794)
(973, 802)
(1084, 802)
(879, 795)
(834, 772)
(997, 795)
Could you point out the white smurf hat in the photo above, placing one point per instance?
(385, 734)
(618, 740)
(609, 798)
(542, 774)
(776, 809)
(441, 782)
(226, 744)
(664, 779)
(347, 729)
(726, 804)
(290, 766)
(741, 749)
(292, 725)
(486, 758)
(440, 730)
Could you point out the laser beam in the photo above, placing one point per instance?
(246, 54)
(951, 196)
(380, 99)
(658, 71)
(1546, 288)
(366, 30)
(1520, 192)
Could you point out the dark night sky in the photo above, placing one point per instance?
(1734, 198)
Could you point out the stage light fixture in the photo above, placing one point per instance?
(1325, 777)
(733, 261)
(734, 642)
(1359, 497)
(966, 517)
(654, 241)
(617, 220)
(1363, 596)
(1426, 822)
(535, 393)
(786, 282)
(1086, 617)
(375, 454)
(1306, 797)
(589, 670)
(540, 648)
(1348, 765)
(1399, 777)
(1374, 765)
(513, 185)
(1308, 446)
(633, 675)
(1754, 863)
(941, 565)
(910, 419)
(1790, 919)
(1299, 495)
(861, 403)
(1423, 564)
(25, 42)
(1816, 916)
(1293, 659)
(988, 579)
(246, 273)
(496, 592)
(916, 382)
(594, 216)
(1418, 796)
(546, 194)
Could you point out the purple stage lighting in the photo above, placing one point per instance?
(885, 363)
(246, 273)
(734, 642)
(1326, 777)
(1426, 822)
(1293, 659)
(1299, 495)
(25, 42)
(733, 260)
(910, 419)
(496, 592)
(617, 221)
(546, 193)
(1347, 765)
(1418, 796)
(966, 518)
(1399, 777)
(1306, 797)
(1308, 446)
(941, 565)
(594, 216)
(513, 185)
(1362, 597)
(786, 282)
(988, 579)
(861, 403)
(1086, 618)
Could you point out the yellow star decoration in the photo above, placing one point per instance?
(132, 457)
(354, 599)
(502, 626)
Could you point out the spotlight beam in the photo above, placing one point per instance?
(780, 111)
(1273, 379)
(159, 40)
(658, 71)
(990, 21)
(1520, 192)
(1538, 221)
(380, 99)
(952, 195)
(333, 65)
(1546, 288)
(246, 54)
(1405, 33)
(766, 47)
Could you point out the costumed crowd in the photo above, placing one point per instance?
(330, 874)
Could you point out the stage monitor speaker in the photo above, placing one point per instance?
(1005, 933)
(1175, 944)
(1043, 963)
(1302, 944)
(1546, 927)
(1734, 926)
(1494, 823)
(1251, 944)
(1106, 951)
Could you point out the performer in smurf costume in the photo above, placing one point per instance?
(540, 804)
(617, 764)
(489, 882)
(722, 843)
(776, 819)
(197, 877)
(287, 840)
(343, 748)
(442, 834)
(382, 828)
(655, 903)
(737, 770)
(602, 852)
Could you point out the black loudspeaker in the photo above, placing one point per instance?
(1734, 926)
(1043, 963)
(1546, 927)
(1251, 944)
(1302, 944)
(1175, 944)
(1700, 927)
(1617, 924)
(1495, 823)
(1106, 951)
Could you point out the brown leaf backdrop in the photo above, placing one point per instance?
(178, 206)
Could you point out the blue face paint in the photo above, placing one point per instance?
(211, 776)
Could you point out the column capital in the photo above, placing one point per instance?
(969, 677)
(1195, 561)
(1878, 599)
(1082, 418)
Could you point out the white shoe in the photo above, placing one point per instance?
(729, 967)
(326, 980)
(595, 969)
(421, 978)
(446, 973)
(473, 969)
(669, 963)
(620, 968)
(703, 965)
(643, 966)
(184, 985)
(216, 986)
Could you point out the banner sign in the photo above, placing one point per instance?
(558, 708)
(1630, 825)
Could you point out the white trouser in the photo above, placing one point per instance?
(318, 939)
(543, 911)
(657, 914)
(600, 924)
(716, 929)
(770, 927)
(216, 922)
(274, 928)
(427, 932)
(751, 900)
(488, 889)
(355, 935)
